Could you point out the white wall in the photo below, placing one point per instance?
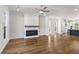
(47, 25)
(3, 42)
(42, 22)
(18, 21)
(1, 25)
(31, 19)
(16, 25)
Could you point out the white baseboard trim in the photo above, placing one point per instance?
(44, 34)
(31, 36)
(41, 34)
(5, 42)
(15, 37)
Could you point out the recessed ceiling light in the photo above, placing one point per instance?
(75, 9)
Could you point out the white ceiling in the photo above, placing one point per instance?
(54, 9)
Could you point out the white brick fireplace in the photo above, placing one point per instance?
(31, 25)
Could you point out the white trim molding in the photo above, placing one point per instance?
(3, 45)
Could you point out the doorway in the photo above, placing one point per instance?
(53, 26)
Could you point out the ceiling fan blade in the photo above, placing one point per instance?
(45, 10)
(45, 7)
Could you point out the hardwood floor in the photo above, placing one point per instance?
(52, 44)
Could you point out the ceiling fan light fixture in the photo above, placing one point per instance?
(41, 12)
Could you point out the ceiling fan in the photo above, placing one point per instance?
(42, 9)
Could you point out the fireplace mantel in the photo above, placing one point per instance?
(31, 26)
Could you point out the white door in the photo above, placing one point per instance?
(53, 26)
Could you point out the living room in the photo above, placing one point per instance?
(38, 29)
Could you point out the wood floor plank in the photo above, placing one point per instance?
(53, 44)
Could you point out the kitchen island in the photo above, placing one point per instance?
(73, 32)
